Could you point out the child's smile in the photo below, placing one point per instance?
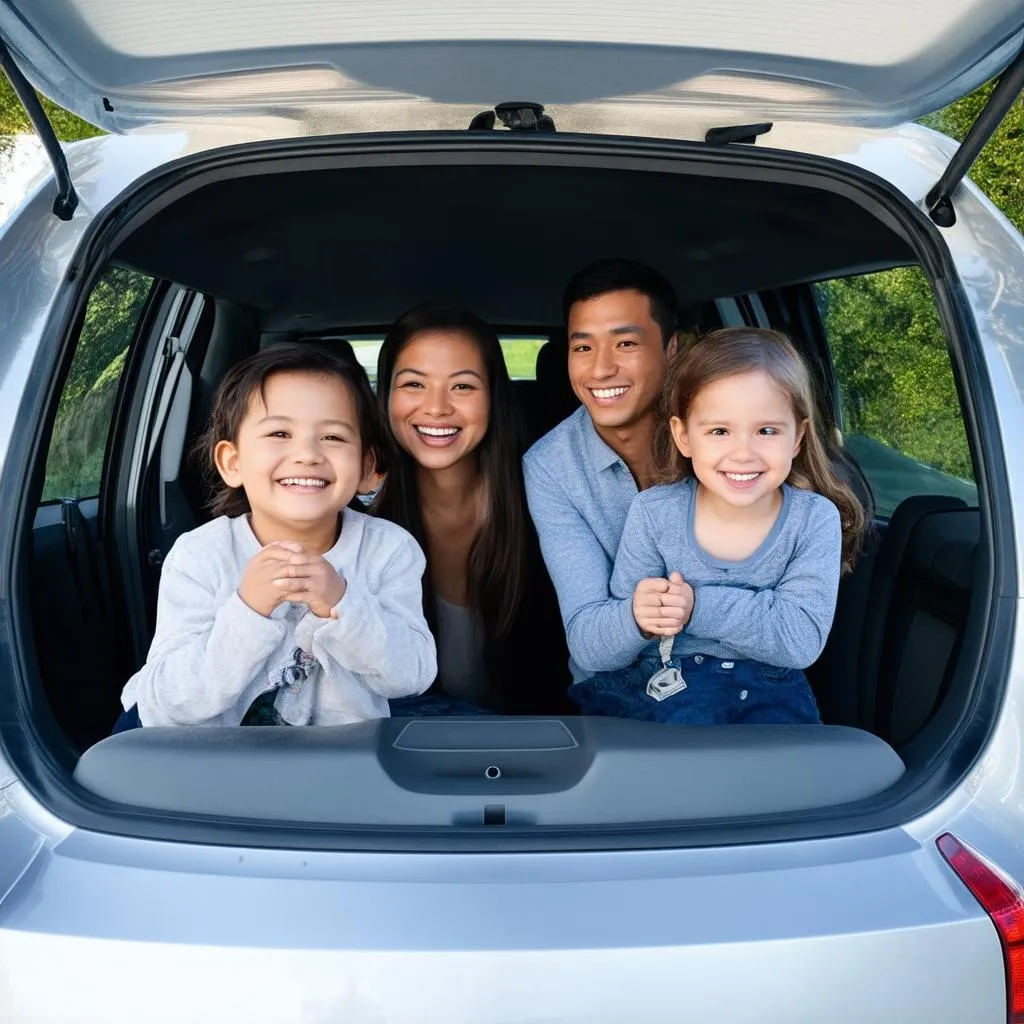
(303, 484)
(741, 436)
(298, 457)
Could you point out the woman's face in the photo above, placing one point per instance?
(440, 400)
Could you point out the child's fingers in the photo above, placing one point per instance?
(673, 622)
(304, 558)
(664, 616)
(665, 606)
(301, 569)
(297, 584)
(662, 629)
(652, 585)
(271, 556)
(285, 545)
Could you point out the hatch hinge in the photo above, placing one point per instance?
(67, 199)
(736, 133)
(939, 201)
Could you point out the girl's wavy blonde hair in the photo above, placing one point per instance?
(737, 350)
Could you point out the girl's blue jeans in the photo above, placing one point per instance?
(717, 692)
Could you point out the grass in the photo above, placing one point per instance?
(521, 357)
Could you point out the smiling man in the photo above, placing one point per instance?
(621, 319)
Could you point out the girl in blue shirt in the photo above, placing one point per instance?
(730, 566)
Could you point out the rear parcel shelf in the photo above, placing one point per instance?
(437, 772)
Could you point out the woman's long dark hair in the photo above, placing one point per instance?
(497, 558)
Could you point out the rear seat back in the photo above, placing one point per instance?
(900, 620)
(927, 618)
(553, 398)
(889, 563)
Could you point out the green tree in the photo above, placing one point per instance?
(999, 169)
(14, 120)
(892, 360)
(79, 438)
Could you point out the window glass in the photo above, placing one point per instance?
(74, 462)
(366, 348)
(520, 353)
(901, 414)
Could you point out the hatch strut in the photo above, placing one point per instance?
(67, 199)
(939, 202)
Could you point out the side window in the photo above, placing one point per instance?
(74, 462)
(901, 414)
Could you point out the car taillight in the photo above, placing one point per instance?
(1003, 900)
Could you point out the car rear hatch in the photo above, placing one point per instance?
(311, 67)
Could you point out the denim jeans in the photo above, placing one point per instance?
(717, 692)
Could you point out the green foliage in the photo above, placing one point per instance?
(521, 357)
(893, 366)
(14, 120)
(890, 351)
(75, 460)
(999, 169)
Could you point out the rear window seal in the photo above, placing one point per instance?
(28, 734)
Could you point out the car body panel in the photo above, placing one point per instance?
(159, 932)
(315, 62)
(871, 927)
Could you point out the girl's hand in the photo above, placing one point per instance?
(662, 607)
(680, 596)
(310, 579)
(258, 588)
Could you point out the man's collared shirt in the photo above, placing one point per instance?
(579, 491)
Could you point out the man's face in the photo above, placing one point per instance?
(617, 359)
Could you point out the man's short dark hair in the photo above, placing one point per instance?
(617, 275)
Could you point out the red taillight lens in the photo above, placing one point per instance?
(1003, 900)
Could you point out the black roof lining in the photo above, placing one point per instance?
(313, 249)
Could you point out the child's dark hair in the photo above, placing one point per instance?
(249, 377)
(737, 350)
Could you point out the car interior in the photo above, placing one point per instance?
(307, 250)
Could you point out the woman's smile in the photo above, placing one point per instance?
(439, 406)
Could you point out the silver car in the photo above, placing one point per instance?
(307, 169)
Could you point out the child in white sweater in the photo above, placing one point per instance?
(290, 607)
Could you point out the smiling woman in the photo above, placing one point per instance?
(456, 485)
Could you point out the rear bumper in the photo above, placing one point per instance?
(867, 928)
